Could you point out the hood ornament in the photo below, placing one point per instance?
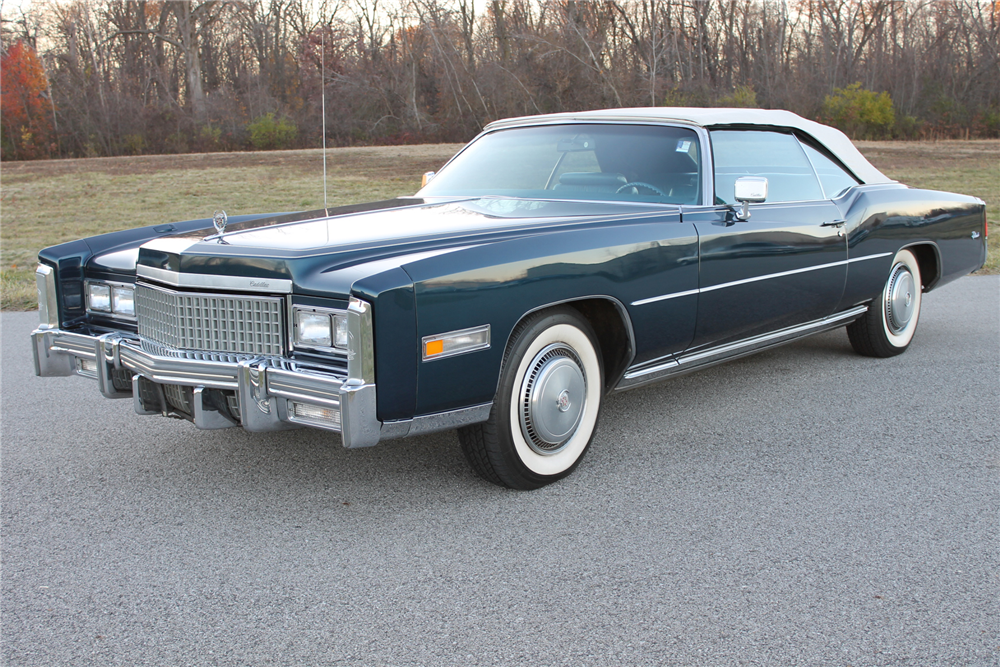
(219, 219)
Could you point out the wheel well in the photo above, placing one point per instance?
(613, 335)
(929, 263)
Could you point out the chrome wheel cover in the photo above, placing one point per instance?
(899, 299)
(552, 398)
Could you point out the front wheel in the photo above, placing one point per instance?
(888, 327)
(545, 412)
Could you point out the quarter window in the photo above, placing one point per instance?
(833, 177)
(776, 156)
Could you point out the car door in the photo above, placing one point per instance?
(786, 264)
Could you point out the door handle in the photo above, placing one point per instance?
(834, 223)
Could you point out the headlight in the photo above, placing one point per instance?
(320, 328)
(99, 297)
(111, 298)
(312, 329)
(123, 301)
(340, 331)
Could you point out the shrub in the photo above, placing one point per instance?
(743, 97)
(861, 113)
(208, 139)
(133, 144)
(266, 133)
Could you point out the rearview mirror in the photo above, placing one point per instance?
(580, 142)
(750, 190)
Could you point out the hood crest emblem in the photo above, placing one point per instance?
(219, 219)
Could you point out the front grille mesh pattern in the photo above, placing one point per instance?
(210, 322)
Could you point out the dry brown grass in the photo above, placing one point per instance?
(48, 202)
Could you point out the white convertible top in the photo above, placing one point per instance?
(834, 140)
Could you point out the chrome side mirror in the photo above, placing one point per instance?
(749, 190)
(427, 177)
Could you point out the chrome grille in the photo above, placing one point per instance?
(210, 322)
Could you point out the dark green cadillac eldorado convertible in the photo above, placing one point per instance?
(555, 259)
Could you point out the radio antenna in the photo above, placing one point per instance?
(322, 76)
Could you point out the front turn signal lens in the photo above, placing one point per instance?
(456, 342)
(433, 348)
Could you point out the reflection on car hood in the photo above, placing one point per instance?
(400, 227)
(323, 254)
(424, 220)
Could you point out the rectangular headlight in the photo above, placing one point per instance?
(99, 297)
(312, 329)
(320, 328)
(340, 336)
(123, 301)
(117, 299)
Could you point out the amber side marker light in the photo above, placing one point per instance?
(456, 342)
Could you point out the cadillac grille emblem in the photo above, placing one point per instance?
(219, 219)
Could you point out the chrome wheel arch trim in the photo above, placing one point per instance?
(619, 306)
(927, 287)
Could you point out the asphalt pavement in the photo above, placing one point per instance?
(803, 506)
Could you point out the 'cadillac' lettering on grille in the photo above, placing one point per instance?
(260, 283)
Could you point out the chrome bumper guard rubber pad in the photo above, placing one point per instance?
(266, 387)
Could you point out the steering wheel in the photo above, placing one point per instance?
(631, 184)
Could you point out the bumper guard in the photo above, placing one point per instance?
(272, 393)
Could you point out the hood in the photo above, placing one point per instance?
(289, 251)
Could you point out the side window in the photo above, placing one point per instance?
(833, 177)
(777, 156)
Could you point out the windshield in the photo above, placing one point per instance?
(641, 163)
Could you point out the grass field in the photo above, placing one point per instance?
(47, 202)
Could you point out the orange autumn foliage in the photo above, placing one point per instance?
(25, 110)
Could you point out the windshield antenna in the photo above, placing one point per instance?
(322, 76)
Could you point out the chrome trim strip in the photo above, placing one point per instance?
(305, 386)
(875, 256)
(439, 421)
(652, 299)
(686, 363)
(744, 281)
(780, 274)
(77, 345)
(211, 281)
(164, 370)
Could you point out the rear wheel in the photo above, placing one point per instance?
(545, 412)
(888, 327)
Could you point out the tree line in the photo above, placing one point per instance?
(115, 77)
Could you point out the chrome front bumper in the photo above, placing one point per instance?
(273, 393)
